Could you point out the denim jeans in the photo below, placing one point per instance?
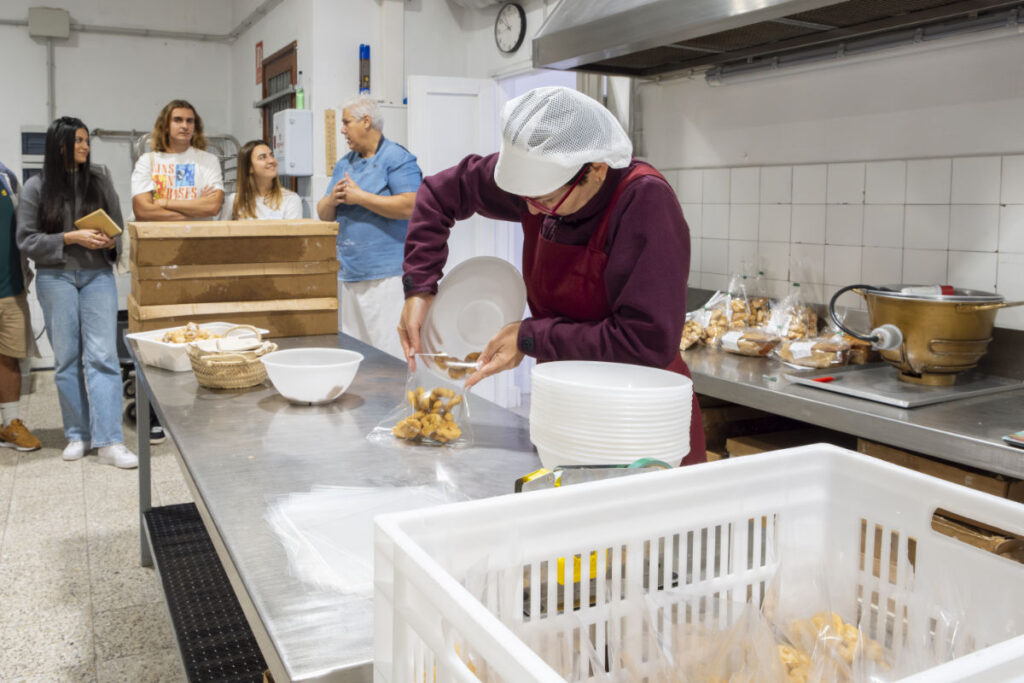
(80, 310)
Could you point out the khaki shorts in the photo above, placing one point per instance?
(14, 326)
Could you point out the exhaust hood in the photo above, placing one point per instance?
(651, 38)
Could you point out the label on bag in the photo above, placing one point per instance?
(731, 339)
(801, 349)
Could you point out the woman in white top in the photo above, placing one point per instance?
(260, 194)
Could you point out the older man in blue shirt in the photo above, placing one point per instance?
(371, 195)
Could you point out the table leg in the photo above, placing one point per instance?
(145, 483)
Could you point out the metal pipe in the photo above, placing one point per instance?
(51, 89)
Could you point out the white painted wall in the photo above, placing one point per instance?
(902, 168)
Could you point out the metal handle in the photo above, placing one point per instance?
(974, 308)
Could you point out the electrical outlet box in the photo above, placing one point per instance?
(45, 22)
(293, 142)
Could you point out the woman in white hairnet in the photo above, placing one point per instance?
(606, 251)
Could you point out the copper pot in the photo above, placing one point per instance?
(929, 334)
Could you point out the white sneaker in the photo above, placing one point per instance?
(75, 450)
(118, 456)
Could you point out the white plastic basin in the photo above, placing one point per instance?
(312, 376)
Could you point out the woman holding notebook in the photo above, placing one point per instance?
(76, 289)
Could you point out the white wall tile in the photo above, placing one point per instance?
(924, 267)
(742, 257)
(809, 184)
(695, 279)
(806, 262)
(846, 183)
(776, 289)
(715, 221)
(974, 227)
(808, 224)
(886, 182)
(776, 184)
(976, 180)
(696, 248)
(926, 227)
(883, 225)
(845, 302)
(743, 221)
(743, 186)
(1010, 284)
(773, 259)
(714, 256)
(928, 181)
(714, 281)
(673, 179)
(1011, 228)
(972, 270)
(881, 265)
(1012, 191)
(844, 224)
(715, 186)
(773, 222)
(689, 186)
(842, 265)
(693, 213)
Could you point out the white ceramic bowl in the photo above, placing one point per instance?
(474, 300)
(314, 375)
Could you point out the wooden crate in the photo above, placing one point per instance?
(161, 285)
(283, 317)
(773, 441)
(228, 242)
(995, 484)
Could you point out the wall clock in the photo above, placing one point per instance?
(510, 27)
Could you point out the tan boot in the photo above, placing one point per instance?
(17, 436)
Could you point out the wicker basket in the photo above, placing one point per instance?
(230, 369)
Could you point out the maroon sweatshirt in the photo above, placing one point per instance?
(648, 260)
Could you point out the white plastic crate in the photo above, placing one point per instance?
(817, 504)
(153, 351)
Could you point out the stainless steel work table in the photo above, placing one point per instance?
(241, 449)
(966, 431)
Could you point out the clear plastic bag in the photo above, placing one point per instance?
(793, 318)
(692, 330)
(819, 352)
(432, 412)
(738, 310)
(749, 341)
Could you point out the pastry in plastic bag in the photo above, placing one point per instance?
(820, 352)
(751, 341)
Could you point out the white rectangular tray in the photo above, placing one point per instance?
(153, 351)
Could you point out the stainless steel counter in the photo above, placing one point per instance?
(966, 431)
(241, 449)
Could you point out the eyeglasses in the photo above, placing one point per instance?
(553, 210)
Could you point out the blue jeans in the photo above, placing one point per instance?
(80, 310)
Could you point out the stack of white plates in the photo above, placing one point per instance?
(593, 413)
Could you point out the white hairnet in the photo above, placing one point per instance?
(549, 133)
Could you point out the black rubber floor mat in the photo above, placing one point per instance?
(214, 637)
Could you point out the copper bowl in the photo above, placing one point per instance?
(943, 333)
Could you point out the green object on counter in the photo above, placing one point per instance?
(300, 98)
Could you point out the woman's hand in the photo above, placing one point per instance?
(351, 192)
(90, 239)
(502, 353)
(414, 312)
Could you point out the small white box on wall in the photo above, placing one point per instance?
(293, 142)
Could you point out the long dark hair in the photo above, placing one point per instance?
(63, 179)
(245, 200)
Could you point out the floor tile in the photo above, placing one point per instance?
(118, 587)
(132, 630)
(166, 468)
(30, 504)
(160, 666)
(44, 544)
(173, 492)
(54, 642)
(77, 673)
(28, 588)
(113, 550)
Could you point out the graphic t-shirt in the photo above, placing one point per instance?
(176, 176)
(291, 207)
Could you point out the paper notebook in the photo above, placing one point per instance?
(99, 220)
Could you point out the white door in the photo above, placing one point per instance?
(450, 118)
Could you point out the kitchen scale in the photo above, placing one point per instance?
(879, 382)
